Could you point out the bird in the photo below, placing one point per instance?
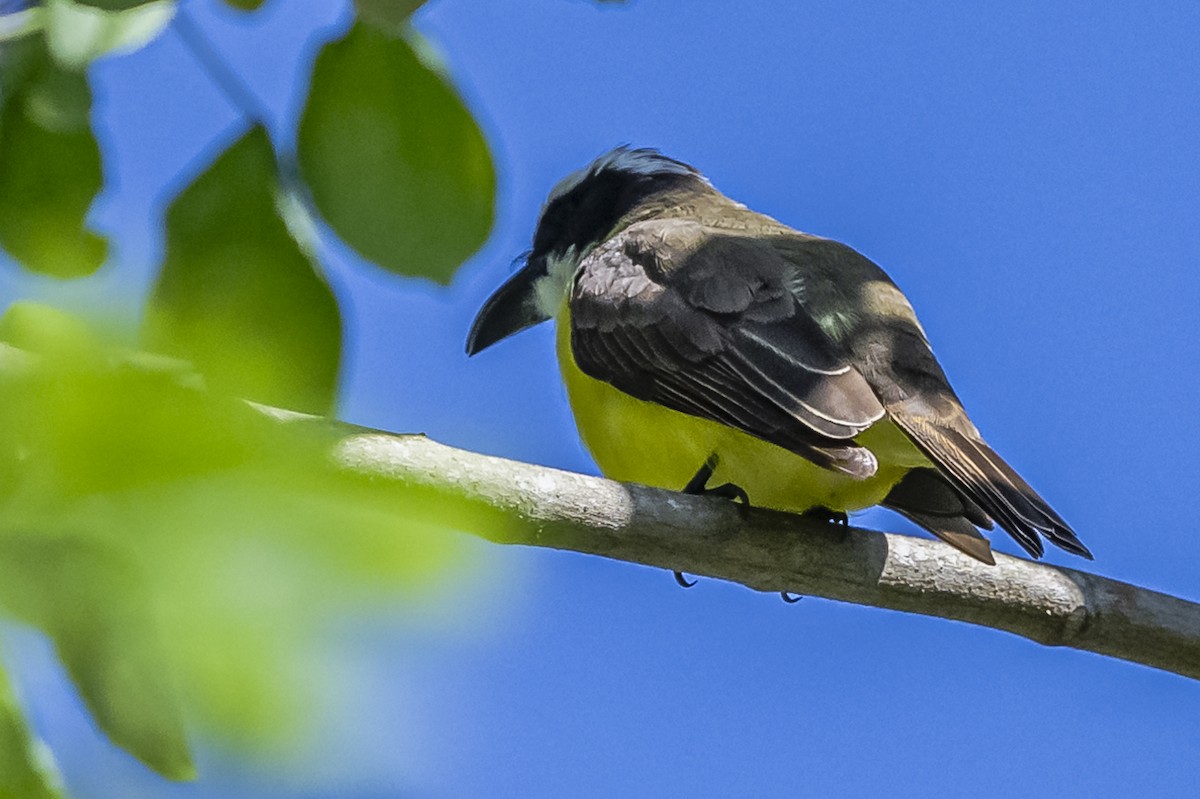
(701, 341)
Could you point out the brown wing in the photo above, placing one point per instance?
(704, 322)
(889, 348)
(973, 467)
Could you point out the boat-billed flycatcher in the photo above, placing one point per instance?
(699, 339)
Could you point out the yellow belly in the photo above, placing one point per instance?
(642, 442)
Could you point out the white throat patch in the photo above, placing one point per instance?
(551, 290)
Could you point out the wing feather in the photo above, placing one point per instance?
(650, 316)
(889, 348)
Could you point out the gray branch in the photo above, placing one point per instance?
(520, 503)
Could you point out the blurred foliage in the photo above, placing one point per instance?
(18, 18)
(387, 15)
(79, 32)
(25, 772)
(396, 165)
(179, 548)
(114, 5)
(49, 163)
(90, 601)
(238, 296)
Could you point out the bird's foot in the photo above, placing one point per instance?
(838, 518)
(734, 493)
(698, 486)
(823, 514)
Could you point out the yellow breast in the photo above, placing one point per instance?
(642, 442)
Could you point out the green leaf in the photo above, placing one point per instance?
(238, 296)
(38, 328)
(78, 33)
(49, 167)
(20, 59)
(244, 5)
(101, 407)
(387, 15)
(113, 5)
(92, 605)
(26, 770)
(124, 487)
(394, 161)
(15, 24)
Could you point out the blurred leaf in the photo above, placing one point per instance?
(20, 21)
(394, 160)
(78, 409)
(60, 101)
(19, 60)
(387, 15)
(237, 295)
(79, 33)
(26, 770)
(113, 5)
(124, 488)
(43, 329)
(49, 166)
(244, 5)
(92, 605)
(129, 400)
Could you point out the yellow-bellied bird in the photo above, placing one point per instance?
(700, 339)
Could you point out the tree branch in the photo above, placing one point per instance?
(770, 551)
(510, 502)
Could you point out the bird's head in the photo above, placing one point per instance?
(582, 211)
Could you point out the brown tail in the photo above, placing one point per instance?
(925, 497)
(980, 475)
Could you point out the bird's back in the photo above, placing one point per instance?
(794, 359)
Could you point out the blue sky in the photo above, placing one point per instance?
(1029, 175)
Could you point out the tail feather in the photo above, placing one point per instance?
(979, 474)
(927, 499)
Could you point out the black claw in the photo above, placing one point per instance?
(698, 486)
(790, 599)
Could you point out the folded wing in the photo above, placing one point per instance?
(705, 323)
(888, 347)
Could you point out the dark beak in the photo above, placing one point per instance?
(511, 309)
